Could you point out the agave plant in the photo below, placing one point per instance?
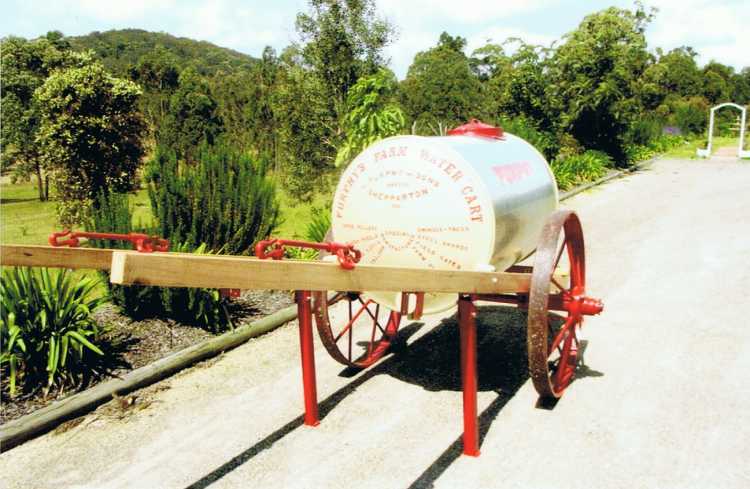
(46, 326)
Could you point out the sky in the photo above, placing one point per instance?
(717, 29)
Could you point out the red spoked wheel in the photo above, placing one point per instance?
(552, 340)
(363, 337)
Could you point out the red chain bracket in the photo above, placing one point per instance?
(142, 242)
(347, 255)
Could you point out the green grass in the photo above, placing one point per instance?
(687, 150)
(296, 216)
(26, 220)
(23, 218)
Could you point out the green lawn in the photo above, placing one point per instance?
(296, 216)
(26, 220)
(687, 150)
(23, 218)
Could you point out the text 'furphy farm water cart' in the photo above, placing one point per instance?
(418, 225)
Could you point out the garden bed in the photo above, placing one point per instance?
(132, 344)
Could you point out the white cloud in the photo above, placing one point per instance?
(420, 23)
(717, 30)
(243, 26)
(464, 12)
(114, 11)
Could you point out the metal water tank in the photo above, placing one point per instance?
(472, 200)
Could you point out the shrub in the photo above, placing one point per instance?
(577, 169)
(665, 142)
(225, 201)
(544, 142)
(112, 214)
(318, 228)
(690, 114)
(644, 130)
(46, 328)
(636, 152)
(202, 307)
(569, 146)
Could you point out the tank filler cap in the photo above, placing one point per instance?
(477, 128)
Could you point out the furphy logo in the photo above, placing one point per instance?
(513, 172)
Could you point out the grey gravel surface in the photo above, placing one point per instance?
(661, 403)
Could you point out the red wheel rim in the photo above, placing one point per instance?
(552, 338)
(364, 335)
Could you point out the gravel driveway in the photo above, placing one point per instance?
(662, 403)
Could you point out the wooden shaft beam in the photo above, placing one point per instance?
(181, 270)
(187, 270)
(53, 257)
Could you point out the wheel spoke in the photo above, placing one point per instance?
(372, 339)
(562, 365)
(349, 351)
(351, 322)
(560, 334)
(364, 346)
(376, 316)
(559, 255)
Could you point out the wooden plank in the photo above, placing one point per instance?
(49, 256)
(249, 273)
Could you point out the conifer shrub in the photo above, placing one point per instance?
(224, 204)
(227, 200)
(202, 307)
(111, 213)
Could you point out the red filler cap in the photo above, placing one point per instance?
(477, 128)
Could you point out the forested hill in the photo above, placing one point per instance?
(121, 49)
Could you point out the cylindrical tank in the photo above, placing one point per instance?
(467, 201)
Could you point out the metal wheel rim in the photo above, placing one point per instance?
(550, 380)
(339, 344)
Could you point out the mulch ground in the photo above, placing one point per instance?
(133, 344)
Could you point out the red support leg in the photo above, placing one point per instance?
(304, 317)
(468, 330)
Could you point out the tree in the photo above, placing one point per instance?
(741, 85)
(520, 86)
(488, 61)
(158, 75)
(595, 75)
(192, 117)
(89, 135)
(307, 144)
(259, 110)
(440, 87)
(343, 40)
(372, 114)
(235, 93)
(717, 79)
(674, 73)
(25, 66)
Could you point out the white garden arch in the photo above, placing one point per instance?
(740, 153)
